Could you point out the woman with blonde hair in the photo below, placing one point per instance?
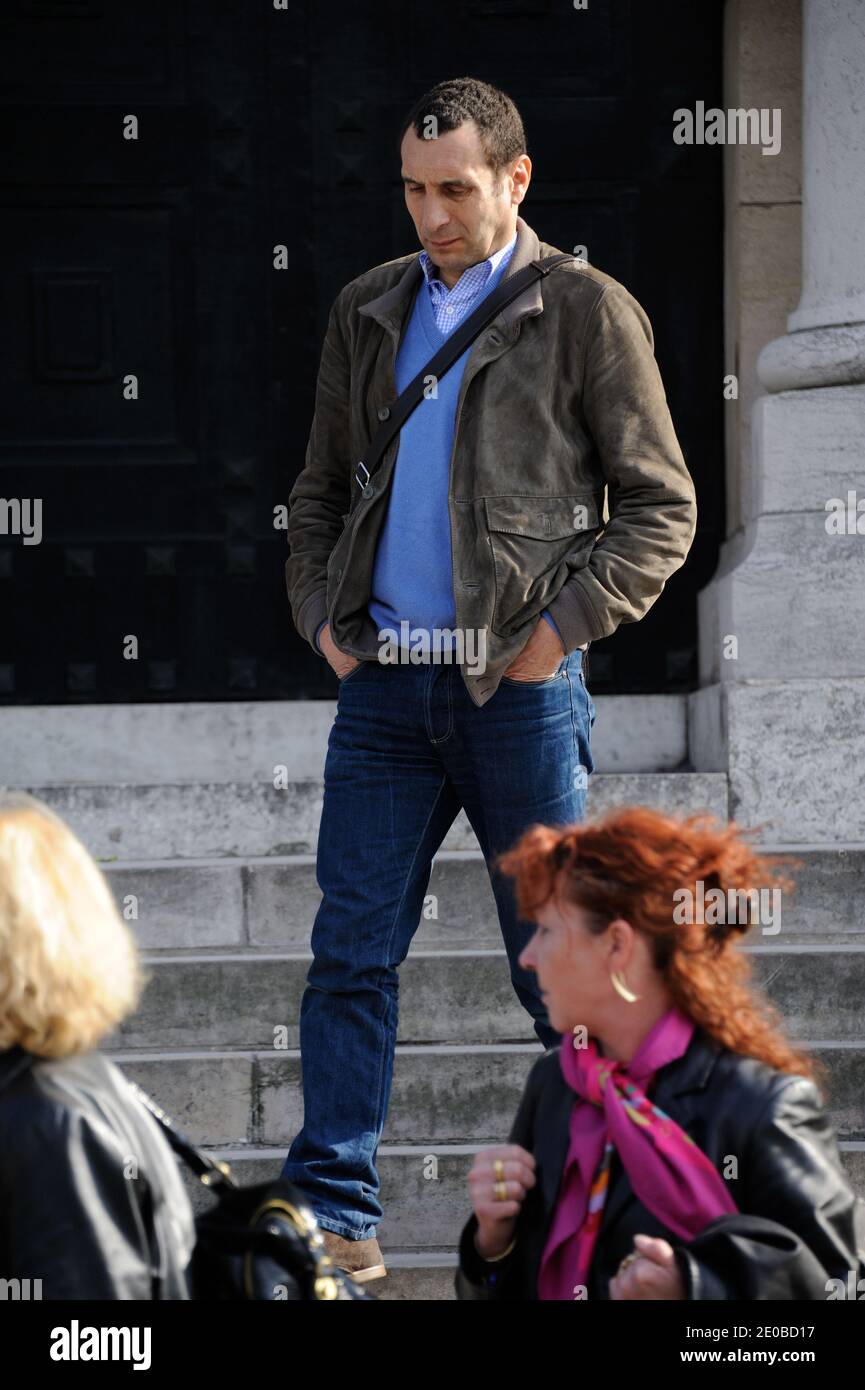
(675, 1145)
(92, 1205)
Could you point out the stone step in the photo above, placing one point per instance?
(423, 1278)
(250, 1001)
(240, 741)
(441, 1094)
(241, 820)
(271, 904)
(424, 1192)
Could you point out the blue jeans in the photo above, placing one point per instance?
(407, 750)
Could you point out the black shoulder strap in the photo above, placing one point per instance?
(210, 1171)
(453, 347)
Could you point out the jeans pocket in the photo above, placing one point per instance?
(545, 680)
(590, 702)
(348, 675)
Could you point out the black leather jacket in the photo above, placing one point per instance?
(795, 1225)
(91, 1198)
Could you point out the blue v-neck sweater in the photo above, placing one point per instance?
(412, 579)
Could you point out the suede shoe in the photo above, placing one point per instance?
(362, 1259)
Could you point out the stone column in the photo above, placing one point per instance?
(825, 342)
(782, 624)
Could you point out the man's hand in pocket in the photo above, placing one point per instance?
(540, 658)
(338, 661)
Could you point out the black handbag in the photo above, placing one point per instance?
(260, 1242)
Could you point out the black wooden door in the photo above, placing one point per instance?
(159, 350)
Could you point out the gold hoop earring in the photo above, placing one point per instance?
(621, 988)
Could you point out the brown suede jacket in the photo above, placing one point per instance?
(568, 489)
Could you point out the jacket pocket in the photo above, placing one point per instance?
(535, 543)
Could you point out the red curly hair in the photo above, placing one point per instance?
(629, 864)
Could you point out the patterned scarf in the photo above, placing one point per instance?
(667, 1171)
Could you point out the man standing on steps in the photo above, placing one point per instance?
(483, 532)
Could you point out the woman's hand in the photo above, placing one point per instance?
(496, 1217)
(651, 1272)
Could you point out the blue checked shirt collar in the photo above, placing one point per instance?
(449, 306)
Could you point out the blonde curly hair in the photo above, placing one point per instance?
(69, 965)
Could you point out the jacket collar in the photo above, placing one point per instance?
(389, 308)
(691, 1071)
(14, 1061)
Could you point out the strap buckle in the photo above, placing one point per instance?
(559, 260)
(362, 482)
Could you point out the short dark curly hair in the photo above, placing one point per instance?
(461, 99)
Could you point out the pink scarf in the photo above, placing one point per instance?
(668, 1173)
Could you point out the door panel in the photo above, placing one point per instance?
(157, 368)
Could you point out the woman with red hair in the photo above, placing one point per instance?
(675, 1145)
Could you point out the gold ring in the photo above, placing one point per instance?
(500, 1192)
(499, 1168)
(628, 1260)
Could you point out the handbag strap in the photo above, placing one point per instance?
(213, 1172)
(454, 347)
